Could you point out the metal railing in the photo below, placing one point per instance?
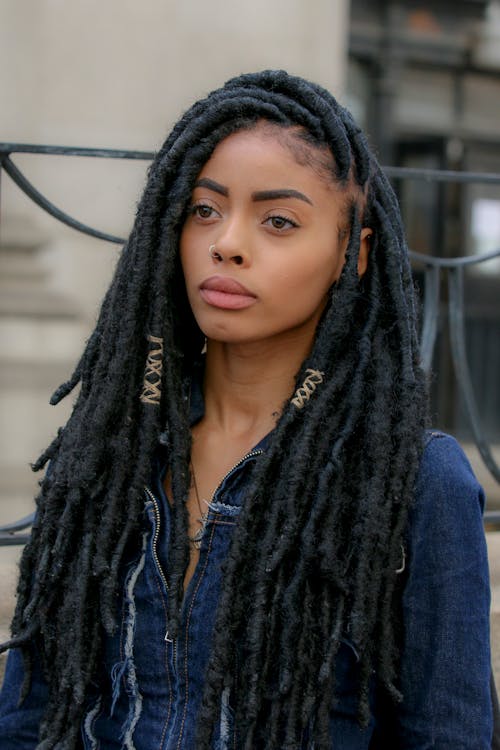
(436, 269)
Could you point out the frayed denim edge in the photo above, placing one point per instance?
(88, 726)
(126, 668)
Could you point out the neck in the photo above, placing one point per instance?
(246, 385)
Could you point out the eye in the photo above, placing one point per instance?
(281, 223)
(203, 211)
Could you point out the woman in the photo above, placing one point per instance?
(260, 546)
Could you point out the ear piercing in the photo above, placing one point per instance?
(215, 253)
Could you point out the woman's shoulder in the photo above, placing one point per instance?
(447, 493)
(439, 446)
(445, 467)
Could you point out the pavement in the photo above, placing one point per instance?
(8, 569)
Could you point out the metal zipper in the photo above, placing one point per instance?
(157, 510)
(156, 535)
(242, 460)
(204, 518)
(158, 565)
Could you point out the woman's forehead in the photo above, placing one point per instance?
(290, 145)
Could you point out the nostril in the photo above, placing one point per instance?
(238, 260)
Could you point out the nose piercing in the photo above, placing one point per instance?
(214, 253)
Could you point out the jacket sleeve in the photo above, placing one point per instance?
(20, 722)
(446, 662)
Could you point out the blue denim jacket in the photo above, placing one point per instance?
(151, 687)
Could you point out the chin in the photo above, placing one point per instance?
(227, 332)
(229, 338)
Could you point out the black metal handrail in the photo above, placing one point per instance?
(9, 533)
(435, 267)
(6, 163)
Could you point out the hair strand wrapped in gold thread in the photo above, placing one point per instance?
(303, 394)
(151, 390)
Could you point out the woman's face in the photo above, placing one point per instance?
(263, 242)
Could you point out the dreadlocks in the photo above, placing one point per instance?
(320, 536)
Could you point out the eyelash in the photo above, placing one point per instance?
(289, 222)
(195, 209)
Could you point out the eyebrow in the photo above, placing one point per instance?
(271, 195)
(212, 185)
(259, 195)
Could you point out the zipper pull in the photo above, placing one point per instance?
(167, 639)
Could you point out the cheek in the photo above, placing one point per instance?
(300, 294)
(186, 258)
(312, 276)
(194, 256)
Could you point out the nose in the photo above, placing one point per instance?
(219, 257)
(231, 246)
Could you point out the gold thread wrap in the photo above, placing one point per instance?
(304, 393)
(151, 389)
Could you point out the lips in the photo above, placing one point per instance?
(226, 293)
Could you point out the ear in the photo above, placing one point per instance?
(364, 250)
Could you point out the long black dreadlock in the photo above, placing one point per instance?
(319, 540)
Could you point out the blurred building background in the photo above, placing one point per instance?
(422, 78)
